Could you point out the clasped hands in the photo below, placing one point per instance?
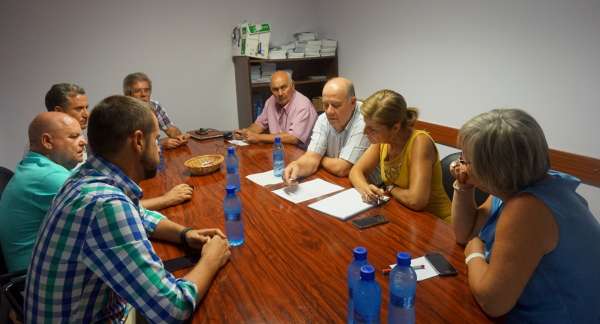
(246, 135)
(174, 142)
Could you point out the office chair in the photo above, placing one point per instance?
(448, 179)
(5, 175)
(9, 281)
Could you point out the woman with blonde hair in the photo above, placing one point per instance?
(532, 251)
(407, 158)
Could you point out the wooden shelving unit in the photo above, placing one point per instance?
(304, 68)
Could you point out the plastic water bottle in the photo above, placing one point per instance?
(278, 161)
(233, 176)
(234, 227)
(367, 297)
(359, 259)
(403, 285)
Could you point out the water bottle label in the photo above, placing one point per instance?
(232, 216)
(230, 169)
(401, 301)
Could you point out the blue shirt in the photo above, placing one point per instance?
(565, 286)
(24, 204)
(93, 256)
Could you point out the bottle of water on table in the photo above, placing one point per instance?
(234, 226)
(278, 158)
(403, 285)
(233, 175)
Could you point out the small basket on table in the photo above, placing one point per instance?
(204, 164)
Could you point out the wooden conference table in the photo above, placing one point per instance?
(292, 266)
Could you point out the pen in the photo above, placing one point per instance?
(386, 271)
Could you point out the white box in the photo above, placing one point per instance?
(251, 40)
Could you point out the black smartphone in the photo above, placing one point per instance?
(181, 262)
(443, 267)
(369, 221)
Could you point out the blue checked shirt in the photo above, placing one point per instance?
(163, 120)
(93, 257)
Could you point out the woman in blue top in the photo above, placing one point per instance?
(532, 248)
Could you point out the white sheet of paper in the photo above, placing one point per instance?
(343, 205)
(264, 178)
(238, 142)
(422, 274)
(308, 190)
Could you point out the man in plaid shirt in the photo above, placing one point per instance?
(92, 257)
(139, 85)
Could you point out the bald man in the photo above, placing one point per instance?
(56, 146)
(287, 114)
(337, 138)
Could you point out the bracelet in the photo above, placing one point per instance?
(473, 256)
(182, 235)
(457, 187)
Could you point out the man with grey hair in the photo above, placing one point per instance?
(337, 139)
(287, 114)
(139, 85)
(56, 146)
(70, 99)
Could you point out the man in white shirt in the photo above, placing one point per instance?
(337, 140)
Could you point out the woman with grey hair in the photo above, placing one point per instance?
(532, 249)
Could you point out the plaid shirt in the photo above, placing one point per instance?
(93, 257)
(163, 120)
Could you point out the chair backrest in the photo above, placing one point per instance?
(448, 179)
(5, 175)
(13, 291)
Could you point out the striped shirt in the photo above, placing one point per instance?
(163, 120)
(93, 257)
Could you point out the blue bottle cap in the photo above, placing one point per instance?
(230, 189)
(367, 272)
(277, 140)
(403, 259)
(359, 253)
(230, 150)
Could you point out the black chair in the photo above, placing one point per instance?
(13, 291)
(5, 175)
(448, 179)
(6, 281)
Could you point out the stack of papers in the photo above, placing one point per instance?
(343, 205)
(265, 178)
(277, 54)
(307, 190)
(295, 55)
(328, 47)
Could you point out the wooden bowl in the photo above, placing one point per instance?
(204, 164)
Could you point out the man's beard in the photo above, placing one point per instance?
(149, 167)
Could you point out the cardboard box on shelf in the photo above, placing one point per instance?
(251, 40)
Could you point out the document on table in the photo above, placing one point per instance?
(307, 190)
(265, 178)
(238, 142)
(343, 205)
(427, 272)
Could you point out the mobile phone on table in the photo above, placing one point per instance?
(181, 262)
(443, 267)
(369, 221)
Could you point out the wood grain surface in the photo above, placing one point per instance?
(292, 266)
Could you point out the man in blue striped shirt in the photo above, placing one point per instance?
(93, 257)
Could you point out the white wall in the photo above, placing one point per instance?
(455, 59)
(183, 45)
